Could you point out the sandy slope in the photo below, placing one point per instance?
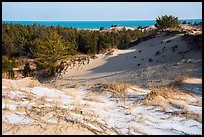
(122, 65)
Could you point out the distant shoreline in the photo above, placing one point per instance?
(95, 24)
(98, 20)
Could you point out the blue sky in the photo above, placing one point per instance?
(79, 11)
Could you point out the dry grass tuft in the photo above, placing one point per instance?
(118, 89)
(159, 96)
(167, 97)
(26, 82)
(195, 117)
(77, 85)
(93, 99)
(161, 91)
(114, 86)
(178, 81)
(167, 92)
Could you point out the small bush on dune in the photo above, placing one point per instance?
(8, 65)
(184, 22)
(165, 22)
(26, 70)
(101, 28)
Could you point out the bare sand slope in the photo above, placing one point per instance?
(133, 65)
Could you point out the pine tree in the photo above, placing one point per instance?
(49, 51)
(165, 22)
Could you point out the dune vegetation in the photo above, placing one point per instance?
(117, 81)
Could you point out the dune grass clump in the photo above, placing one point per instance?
(167, 99)
(161, 96)
(178, 81)
(118, 89)
(76, 85)
(167, 92)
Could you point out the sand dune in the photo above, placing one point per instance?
(140, 63)
(30, 107)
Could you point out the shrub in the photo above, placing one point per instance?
(139, 27)
(113, 25)
(165, 22)
(189, 23)
(26, 70)
(5, 64)
(101, 28)
(8, 64)
(184, 22)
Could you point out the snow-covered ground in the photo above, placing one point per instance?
(100, 112)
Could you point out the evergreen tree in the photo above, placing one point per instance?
(8, 65)
(49, 51)
(165, 22)
(49, 44)
(5, 64)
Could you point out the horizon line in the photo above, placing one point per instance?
(101, 20)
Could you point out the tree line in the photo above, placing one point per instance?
(19, 40)
(49, 44)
